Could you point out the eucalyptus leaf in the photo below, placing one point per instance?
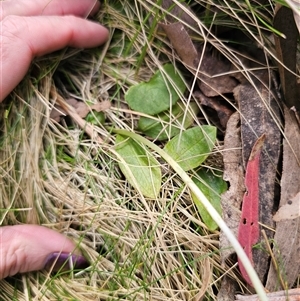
(139, 166)
(191, 147)
(212, 185)
(169, 123)
(158, 94)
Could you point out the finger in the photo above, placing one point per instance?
(26, 37)
(48, 7)
(25, 248)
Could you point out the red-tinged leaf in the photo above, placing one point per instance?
(248, 233)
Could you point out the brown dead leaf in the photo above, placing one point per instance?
(257, 120)
(291, 295)
(213, 80)
(180, 12)
(181, 42)
(287, 236)
(231, 200)
(286, 50)
(217, 104)
(228, 289)
(212, 72)
(214, 76)
(290, 210)
(81, 108)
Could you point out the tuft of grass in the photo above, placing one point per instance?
(56, 175)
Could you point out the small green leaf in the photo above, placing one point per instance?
(169, 123)
(190, 148)
(139, 167)
(95, 118)
(212, 185)
(158, 94)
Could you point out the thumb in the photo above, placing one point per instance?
(25, 248)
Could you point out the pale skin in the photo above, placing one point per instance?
(31, 28)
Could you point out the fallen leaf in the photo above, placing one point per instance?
(248, 233)
(81, 108)
(191, 147)
(182, 43)
(213, 78)
(287, 235)
(259, 112)
(71, 111)
(182, 12)
(228, 289)
(217, 104)
(290, 210)
(232, 199)
(290, 295)
(286, 50)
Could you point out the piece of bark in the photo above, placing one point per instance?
(290, 295)
(231, 200)
(255, 104)
(287, 237)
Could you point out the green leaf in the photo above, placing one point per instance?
(212, 185)
(95, 118)
(169, 123)
(139, 167)
(190, 148)
(158, 94)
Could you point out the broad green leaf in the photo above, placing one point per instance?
(191, 147)
(169, 123)
(158, 94)
(212, 185)
(139, 167)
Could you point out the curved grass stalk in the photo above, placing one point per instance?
(211, 210)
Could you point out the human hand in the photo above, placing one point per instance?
(31, 28)
(25, 248)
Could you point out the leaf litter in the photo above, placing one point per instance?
(248, 232)
(157, 238)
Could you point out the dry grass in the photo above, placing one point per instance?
(56, 175)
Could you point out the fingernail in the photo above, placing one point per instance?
(65, 262)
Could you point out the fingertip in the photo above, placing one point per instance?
(26, 248)
(64, 262)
